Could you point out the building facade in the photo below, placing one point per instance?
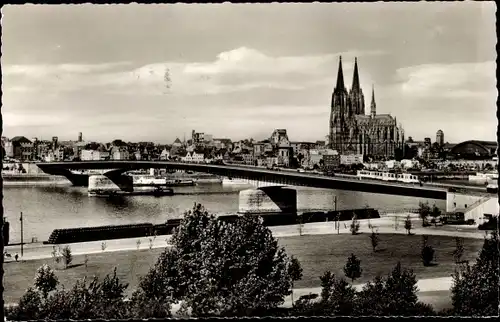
(22, 148)
(352, 131)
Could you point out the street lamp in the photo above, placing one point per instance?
(22, 238)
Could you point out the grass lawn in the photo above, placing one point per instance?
(319, 253)
(316, 253)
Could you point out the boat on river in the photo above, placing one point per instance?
(145, 180)
(234, 182)
(150, 191)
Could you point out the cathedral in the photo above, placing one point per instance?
(352, 131)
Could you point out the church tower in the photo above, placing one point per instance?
(356, 96)
(339, 112)
(373, 107)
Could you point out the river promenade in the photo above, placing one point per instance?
(385, 225)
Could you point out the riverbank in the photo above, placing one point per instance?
(32, 179)
(316, 253)
(385, 225)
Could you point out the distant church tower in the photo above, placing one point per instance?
(340, 111)
(440, 138)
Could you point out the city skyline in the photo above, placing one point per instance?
(130, 83)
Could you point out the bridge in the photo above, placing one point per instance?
(117, 168)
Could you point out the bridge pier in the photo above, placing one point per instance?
(103, 183)
(270, 199)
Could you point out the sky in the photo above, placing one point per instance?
(156, 72)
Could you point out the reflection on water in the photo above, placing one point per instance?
(47, 208)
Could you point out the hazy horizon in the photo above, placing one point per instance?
(156, 72)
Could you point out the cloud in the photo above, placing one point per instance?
(34, 119)
(46, 70)
(449, 80)
(237, 70)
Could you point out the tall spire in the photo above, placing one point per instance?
(373, 108)
(355, 78)
(340, 76)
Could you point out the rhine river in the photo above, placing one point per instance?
(51, 207)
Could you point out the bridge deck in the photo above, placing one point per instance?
(252, 173)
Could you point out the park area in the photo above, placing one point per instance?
(316, 253)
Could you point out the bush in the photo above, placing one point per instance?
(220, 268)
(475, 288)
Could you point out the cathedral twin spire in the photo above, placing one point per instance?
(355, 89)
(373, 107)
(340, 77)
(355, 78)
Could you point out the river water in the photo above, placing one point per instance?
(51, 207)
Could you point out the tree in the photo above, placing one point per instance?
(295, 271)
(374, 237)
(301, 224)
(352, 268)
(220, 268)
(83, 301)
(408, 224)
(67, 256)
(372, 298)
(88, 300)
(56, 254)
(401, 289)
(459, 249)
(427, 252)
(300, 157)
(435, 213)
(424, 210)
(45, 280)
(337, 296)
(475, 290)
(354, 225)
